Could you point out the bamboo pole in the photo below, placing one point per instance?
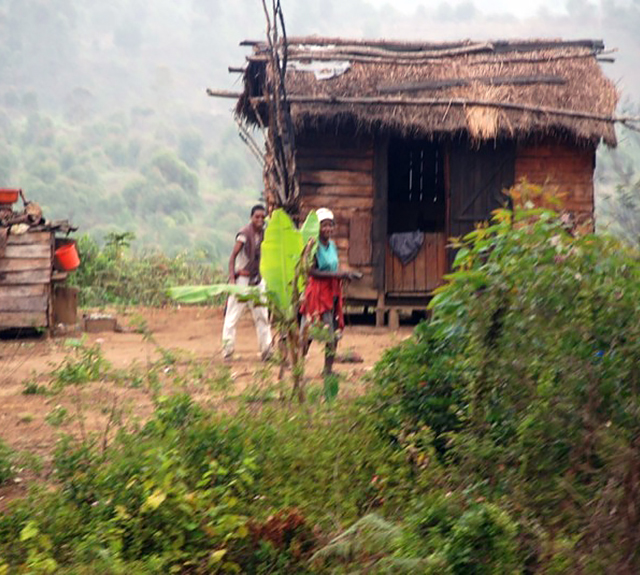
(396, 61)
(223, 94)
(345, 51)
(399, 101)
(298, 99)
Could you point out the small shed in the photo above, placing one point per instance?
(33, 290)
(412, 143)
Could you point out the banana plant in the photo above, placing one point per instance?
(284, 261)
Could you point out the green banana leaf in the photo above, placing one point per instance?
(280, 252)
(200, 294)
(310, 228)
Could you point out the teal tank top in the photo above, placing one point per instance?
(327, 257)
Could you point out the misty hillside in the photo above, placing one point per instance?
(105, 119)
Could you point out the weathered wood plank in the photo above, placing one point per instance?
(397, 274)
(329, 152)
(319, 163)
(439, 242)
(28, 251)
(365, 190)
(334, 143)
(29, 303)
(337, 203)
(335, 177)
(430, 272)
(13, 265)
(366, 270)
(367, 277)
(388, 270)
(360, 239)
(571, 164)
(553, 150)
(409, 276)
(560, 179)
(29, 238)
(25, 277)
(23, 319)
(357, 291)
(64, 305)
(18, 291)
(420, 272)
(432, 260)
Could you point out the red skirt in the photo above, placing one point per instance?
(322, 295)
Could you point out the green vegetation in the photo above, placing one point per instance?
(114, 175)
(113, 275)
(104, 131)
(6, 463)
(201, 492)
(525, 384)
(500, 439)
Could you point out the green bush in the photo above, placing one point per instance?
(528, 375)
(199, 492)
(418, 383)
(166, 496)
(482, 542)
(111, 275)
(447, 535)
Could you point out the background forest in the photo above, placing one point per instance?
(104, 117)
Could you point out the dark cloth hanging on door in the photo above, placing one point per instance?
(406, 245)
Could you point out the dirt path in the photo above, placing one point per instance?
(189, 338)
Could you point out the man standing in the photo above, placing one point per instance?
(244, 269)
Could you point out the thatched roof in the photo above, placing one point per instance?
(489, 90)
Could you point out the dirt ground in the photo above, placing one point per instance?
(180, 345)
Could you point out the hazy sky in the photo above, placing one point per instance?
(519, 8)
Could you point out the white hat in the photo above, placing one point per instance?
(324, 214)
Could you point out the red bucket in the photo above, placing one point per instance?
(67, 257)
(8, 196)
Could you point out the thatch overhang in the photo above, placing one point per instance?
(488, 90)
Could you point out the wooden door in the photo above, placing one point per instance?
(421, 275)
(477, 178)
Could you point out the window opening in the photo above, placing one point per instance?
(416, 199)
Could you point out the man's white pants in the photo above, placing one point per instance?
(234, 311)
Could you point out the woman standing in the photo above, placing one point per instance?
(323, 294)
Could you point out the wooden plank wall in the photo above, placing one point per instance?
(336, 172)
(565, 167)
(421, 275)
(25, 280)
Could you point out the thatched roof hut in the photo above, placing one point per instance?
(413, 143)
(510, 89)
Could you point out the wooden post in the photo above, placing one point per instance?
(394, 318)
(380, 310)
(380, 199)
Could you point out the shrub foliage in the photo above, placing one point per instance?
(527, 377)
(500, 439)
